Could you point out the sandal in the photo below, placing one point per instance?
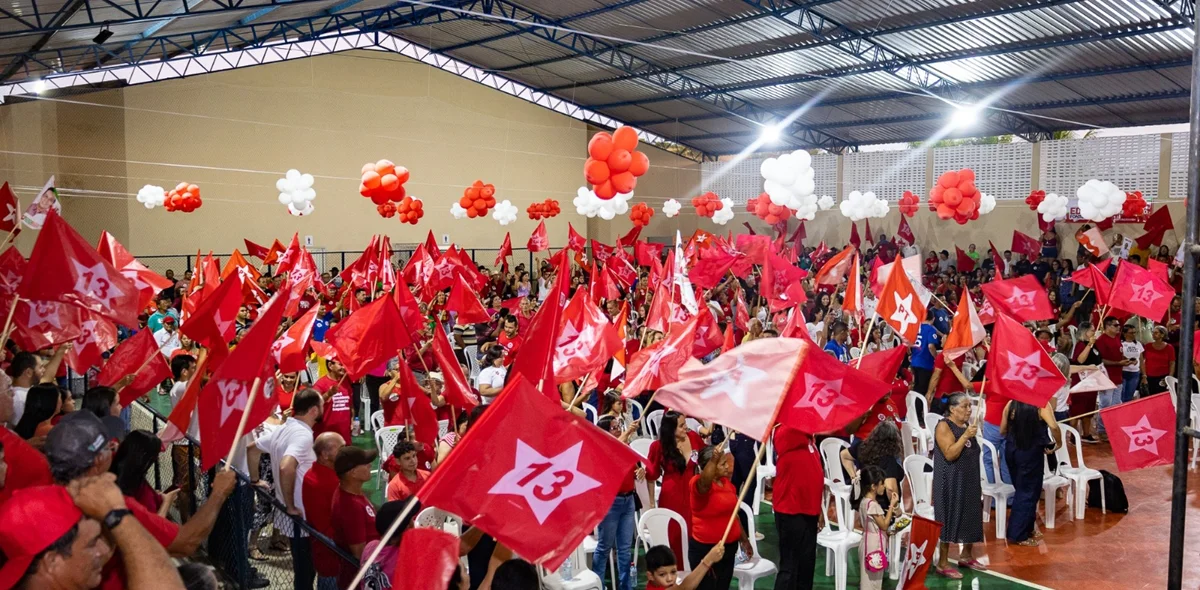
(951, 573)
(1030, 542)
(973, 564)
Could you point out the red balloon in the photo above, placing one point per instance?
(379, 198)
(640, 164)
(945, 212)
(625, 138)
(624, 182)
(605, 190)
(402, 174)
(619, 161)
(600, 146)
(389, 182)
(952, 197)
(371, 179)
(596, 171)
(948, 179)
(966, 175)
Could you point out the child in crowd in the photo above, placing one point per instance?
(872, 550)
(662, 571)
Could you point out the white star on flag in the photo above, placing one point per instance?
(233, 397)
(1143, 436)
(735, 383)
(93, 281)
(278, 346)
(821, 395)
(223, 324)
(43, 313)
(1024, 369)
(1020, 298)
(87, 334)
(1146, 293)
(135, 277)
(545, 482)
(904, 313)
(11, 216)
(578, 338)
(916, 558)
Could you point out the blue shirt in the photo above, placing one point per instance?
(941, 320)
(921, 357)
(841, 352)
(320, 325)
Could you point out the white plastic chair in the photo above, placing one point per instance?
(838, 541)
(931, 422)
(472, 355)
(1074, 335)
(642, 446)
(652, 422)
(436, 518)
(581, 578)
(994, 494)
(653, 529)
(1050, 484)
(759, 567)
(443, 428)
(1079, 473)
(377, 420)
(906, 439)
(635, 408)
(917, 406)
(835, 484)
(765, 471)
(694, 425)
(1195, 424)
(590, 412)
(920, 484)
(1172, 387)
(385, 440)
(364, 398)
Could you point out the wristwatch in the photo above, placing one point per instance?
(114, 517)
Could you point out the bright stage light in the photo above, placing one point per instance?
(770, 134)
(39, 86)
(964, 116)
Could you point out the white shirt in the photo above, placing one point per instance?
(168, 342)
(19, 395)
(816, 330)
(293, 439)
(493, 377)
(193, 429)
(1132, 350)
(1062, 397)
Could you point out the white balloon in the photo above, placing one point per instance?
(725, 214)
(825, 203)
(671, 208)
(986, 203)
(1053, 207)
(295, 191)
(504, 212)
(858, 206)
(1099, 200)
(151, 196)
(285, 199)
(308, 209)
(457, 211)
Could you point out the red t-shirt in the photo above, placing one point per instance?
(319, 485)
(900, 388)
(163, 531)
(1158, 362)
(353, 524)
(399, 488)
(26, 466)
(947, 382)
(338, 409)
(799, 479)
(710, 512)
(993, 405)
(1109, 348)
(510, 346)
(882, 410)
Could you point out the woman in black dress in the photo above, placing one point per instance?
(956, 488)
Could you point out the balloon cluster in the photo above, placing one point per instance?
(762, 208)
(640, 214)
(707, 204)
(544, 210)
(725, 213)
(588, 204)
(152, 196)
(410, 210)
(909, 203)
(825, 203)
(387, 209)
(614, 164)
(1134, 205)
(788, 180)
(1034, 199)
(955, 196)
(383, 181)
(184, 197)
(478, 199)
(986, 203)
(671, 208)
(859, 205)
(504, 212)
(1099, 200)
(1052, 207)
(296, 191)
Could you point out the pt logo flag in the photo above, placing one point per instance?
(1142, 432)
(539, 491)
(1019, 366)
(825, 394)
(922, 541)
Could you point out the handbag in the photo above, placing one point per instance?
(877, 560)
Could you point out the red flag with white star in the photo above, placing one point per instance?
(1023, 298)
(1139, 291)
(1142, 432)
(586, 342)
(575, 241)
(368, 337)
(900, 306)
(456, 391)
(1018, 367)
(505, 252)
(426, 560)
(826, 395)
(43, 324)
(1093, 278)
(462, 301)
(538, 240)
(214, 322)
(139, 355)
(96, 336)
(290, 350)
(535, 356)
(833, 271)
(149, 284)
(922, 543)
(708, 333)
(659, 364)
(539, 491)
(65, 268)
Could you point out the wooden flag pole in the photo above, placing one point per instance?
(579, 393)
(383, 542)
(241, 429)
(12, 309)
(862, 342)
(762, 448)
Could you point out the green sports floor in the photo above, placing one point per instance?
(769, 548)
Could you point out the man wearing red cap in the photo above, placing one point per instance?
(51, 538)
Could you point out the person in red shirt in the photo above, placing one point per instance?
(509, 340)
(26, 466)
(339, 404)
(1109, 347)
(799, 482)
(1158, 361)
(408, 479)
(318, 488)
(352, 514)
(662, 572)
(713, 499)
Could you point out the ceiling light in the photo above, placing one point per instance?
(964, 116)
(770, 134)
(39, 86)
(102, 36)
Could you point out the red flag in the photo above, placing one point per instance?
(431, 246)
(539, 491)
(535, 356)
(247, 373)
(630, 237)
(290, 350)
(900, 306)
(661, 309)
(1019, 367)
(587, 340)
(798, 236)
(12, 268)
(290, 256)
(65, 268)
(659, 364)
(854, 239)
(1159, 269)
(741, 389)
(966, 330)
(1156, 226)
(904, 233)
(622, 271)
(708, 333)
(419, 267)
(796, 326)
(727, 343)
(148, 283)
(97, 336)
(922, 543)
(463, 301)
(1029, 246)
(575, 241)
(426, 560)
(181, 415)
(754, 247)
(870, 238)
(8, 206)
(602, 285)
(505, 251)
(1138, 291)
(1023, 298)
(965, 263)
(256, 250)
(1092, 277)
(833, 271)
(647, 252)
(826, 395)
(852, 300)
(139, 355)
(370, 336)
(415, 410)
(1142, 432)
(711, 267)
(741, 315)
(601, 252)
(43, 324)
(456, 391)
(793, 296)
(883, 365)
(778, 275)
(538, 240)
(998, 262)
(213, 323)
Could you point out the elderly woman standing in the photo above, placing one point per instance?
(956, 487)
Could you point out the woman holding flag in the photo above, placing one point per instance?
(713, 499)
(672, 458)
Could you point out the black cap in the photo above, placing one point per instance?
(76, 441)
(349, 457)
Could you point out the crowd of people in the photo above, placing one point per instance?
(78, 511)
